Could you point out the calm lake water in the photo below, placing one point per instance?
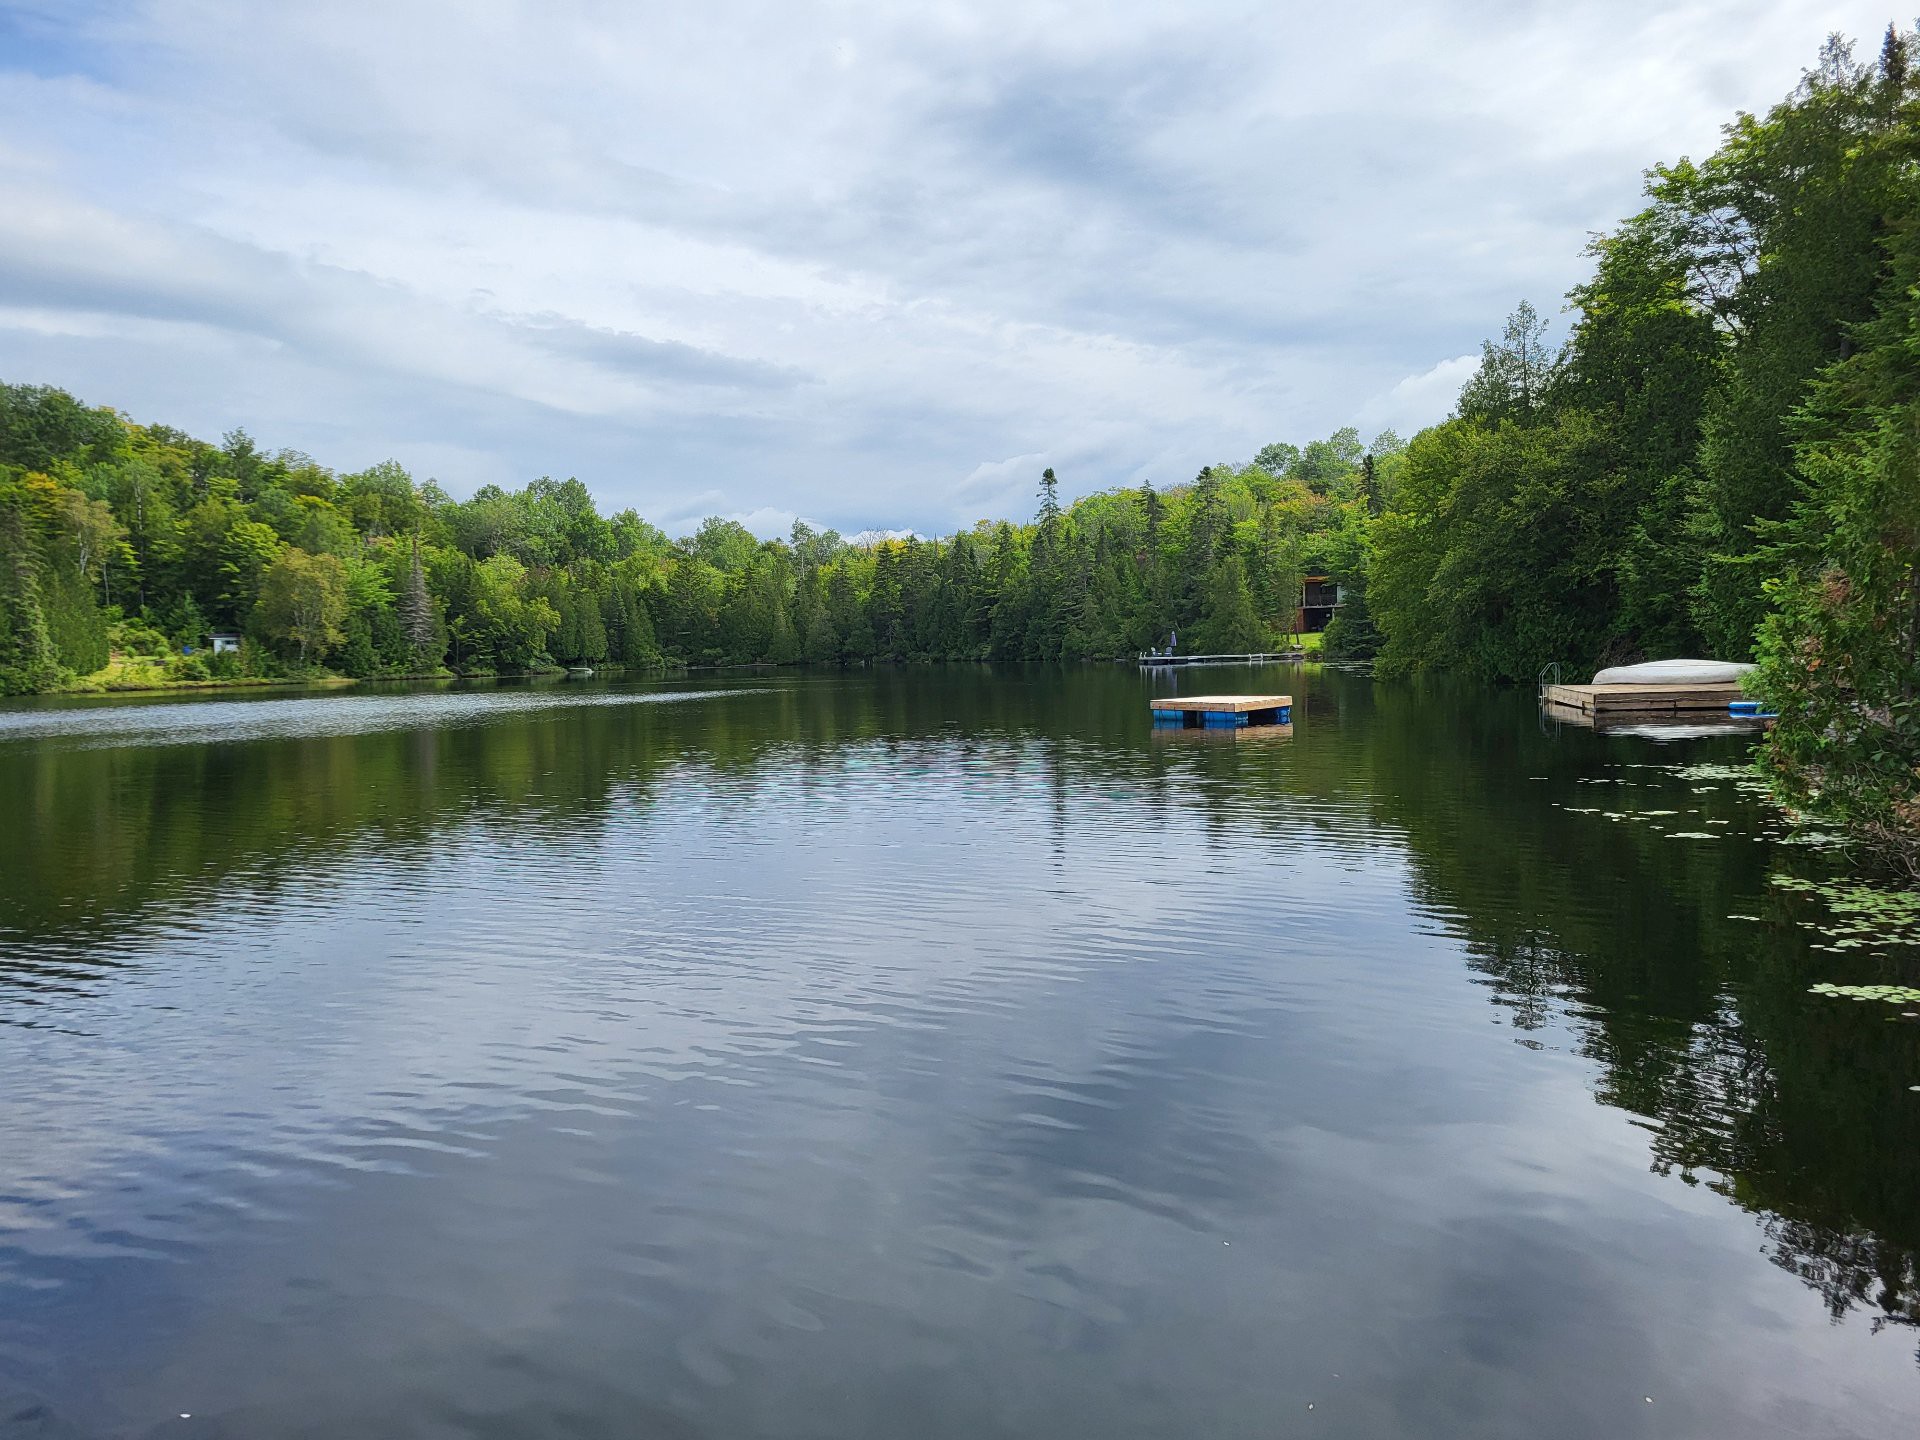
(931, 1053)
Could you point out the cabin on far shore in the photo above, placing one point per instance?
(223, 642)
(1319, 598)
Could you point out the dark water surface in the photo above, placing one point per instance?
(930, 1053)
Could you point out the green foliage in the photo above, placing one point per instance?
(138, 637)
(28, 660)
(374, 573)
(1230, 625)
(1352, 634)
(1498, 555)
(1837, 655)
(303, 604)
(1840, 652)
(76, 624)
(188, 668)
(1516, 373)
(39, 424)
(1782, 235)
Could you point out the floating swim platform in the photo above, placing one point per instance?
(1221, 712)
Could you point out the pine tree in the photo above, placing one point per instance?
(424, 645)
(27, 660)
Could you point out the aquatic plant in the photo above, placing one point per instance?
(1892, 994)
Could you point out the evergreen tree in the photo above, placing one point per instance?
(1840, 650)
(425, 645)
(1230, 625)
(27, 657)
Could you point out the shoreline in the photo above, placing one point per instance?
(83, 690)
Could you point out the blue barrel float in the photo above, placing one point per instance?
(1221, 712)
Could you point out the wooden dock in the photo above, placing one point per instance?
(1221, 712)
(1276, 657)
(1620, 701)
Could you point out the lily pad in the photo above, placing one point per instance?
(1891, 994)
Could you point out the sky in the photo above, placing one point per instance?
(873, 265)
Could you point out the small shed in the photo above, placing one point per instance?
(223, 642)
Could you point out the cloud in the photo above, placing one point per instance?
(659, 360)
(838, 263)
(1420, 400)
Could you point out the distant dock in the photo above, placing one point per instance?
(1221, 712)
(1269, 658)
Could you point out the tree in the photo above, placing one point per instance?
(1516, 372)
(1351, 634)
(425, 645)
(303, 601)
(1498, 558)
(510, 624)
(1840, 650)
(1278, 458)
(88, 538)
(1325, 465)
(39, 424)
(226, 553)
(1643, 360)
(1230, 625)
(27, 657)
(1783, 234)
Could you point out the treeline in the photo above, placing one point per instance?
(1724, 457)
(125, 540)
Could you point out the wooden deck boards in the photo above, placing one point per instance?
(1642, 699)
(1222, 704)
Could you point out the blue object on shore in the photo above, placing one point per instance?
(1750, 710)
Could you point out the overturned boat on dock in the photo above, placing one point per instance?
(1693, 689)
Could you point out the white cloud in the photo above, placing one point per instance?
(824, 261)
(1419, 400)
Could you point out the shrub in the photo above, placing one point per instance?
(187, 667)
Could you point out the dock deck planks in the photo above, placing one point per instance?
(1222, 711)
(1223, 704)
(1642, 699)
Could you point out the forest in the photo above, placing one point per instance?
(1722, 458)
(129, 539)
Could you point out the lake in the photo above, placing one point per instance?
(930, 1052)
